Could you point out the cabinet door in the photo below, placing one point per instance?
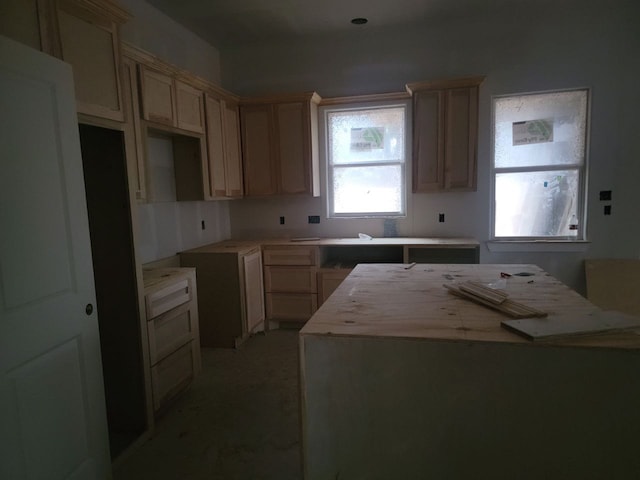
(90, 43)
(428, 137)
(215, 147)
(293, 147)
(291, 306)
(189, 107)
(253, 289)
(328, 281)
(233, 158)
(461, 134)
(134, 143)
(258, 150)
(158, 97)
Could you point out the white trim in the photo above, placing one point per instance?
(323, 112)
(497, 246)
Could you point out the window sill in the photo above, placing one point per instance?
(502, 246)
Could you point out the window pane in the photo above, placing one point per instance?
(373, 189)
(371, 135)
(536, 204)
(540, 129)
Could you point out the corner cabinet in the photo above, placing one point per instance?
(280, 145)
(445, 134)
(89, 40)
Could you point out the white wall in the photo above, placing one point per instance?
(168, 227)
(561, 45)
(153, 31)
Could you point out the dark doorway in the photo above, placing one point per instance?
(107, 192)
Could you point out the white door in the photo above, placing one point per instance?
(52, 410)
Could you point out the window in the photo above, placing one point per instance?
(366, 161)
(539, 165)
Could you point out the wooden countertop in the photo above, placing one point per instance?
(388, 300)
(157, 278)
(241, 246)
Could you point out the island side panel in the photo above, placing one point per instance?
(380, 408)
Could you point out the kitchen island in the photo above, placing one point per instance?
(401, 379)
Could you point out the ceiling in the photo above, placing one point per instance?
(225, 23)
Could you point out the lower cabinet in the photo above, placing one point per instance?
(231, 301)
(290, 277)
(328, 280)
(173, 331)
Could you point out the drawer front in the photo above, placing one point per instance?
(291, 306)
(297, 255)
(328, 281)
(167, 298)
(170, 331)
(290, 279)
(172, 375)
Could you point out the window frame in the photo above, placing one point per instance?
(351, 106)
(583, 170)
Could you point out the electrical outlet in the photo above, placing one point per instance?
(607, 209)
(605, 195)
(314, 218)
(202, 224)
(281, 220)
(441, 217)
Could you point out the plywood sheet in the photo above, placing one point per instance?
(589, 324)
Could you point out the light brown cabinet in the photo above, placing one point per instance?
(291, 290)
(280, 145)
(328, 280)
(172, 326)
(171, 102)
(231, 300)
(133, 138)
(223, 146)
(445, 133)
(85, 34)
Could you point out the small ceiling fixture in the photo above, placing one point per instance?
(359, 21)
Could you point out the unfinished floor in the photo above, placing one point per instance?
(239, 419)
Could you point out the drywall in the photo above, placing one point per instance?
(553, 46)
(412, 409)
(153, 31)
(166, 226)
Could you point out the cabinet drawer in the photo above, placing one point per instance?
(165, 299)
(290, 279)
(171, 375)
(169, 331)
(291, 306)
(298, 255)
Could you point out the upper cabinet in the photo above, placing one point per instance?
(445, 134)
(83, 33)
(88, 32)
(280, 145)
(169, 101)
(223, 144)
